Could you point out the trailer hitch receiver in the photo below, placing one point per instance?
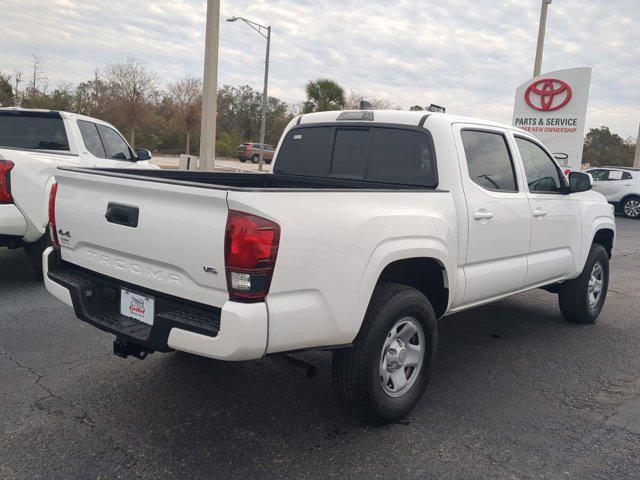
(123, 349)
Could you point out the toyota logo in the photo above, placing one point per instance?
(548, 94)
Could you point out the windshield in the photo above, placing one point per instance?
(33, 130)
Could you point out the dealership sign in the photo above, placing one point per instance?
(553, 107)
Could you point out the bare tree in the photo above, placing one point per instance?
(38, 82)
(132, 88)
(353, 99)
(186, 99)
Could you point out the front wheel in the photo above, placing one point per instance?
(255, 158)
(382, 377)
(581, 299)
(631, 207)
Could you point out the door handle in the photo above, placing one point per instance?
(482, 214)
(538, 212)
(125, 215)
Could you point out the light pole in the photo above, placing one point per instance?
(263, 123)
(210, 87)
(541, 31)
(636, 159)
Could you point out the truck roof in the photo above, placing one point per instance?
(62, 113)
(401, 117)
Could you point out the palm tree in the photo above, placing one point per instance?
(322, 95)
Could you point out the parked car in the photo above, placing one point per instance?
(32, 144)
(621, 188)
(372, 226)
(251, 151)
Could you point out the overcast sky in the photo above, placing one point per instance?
(468, 55)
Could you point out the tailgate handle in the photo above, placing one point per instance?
(122, 215)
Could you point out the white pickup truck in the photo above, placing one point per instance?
(32, 144)
(371, 226)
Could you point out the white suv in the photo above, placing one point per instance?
(621, 187)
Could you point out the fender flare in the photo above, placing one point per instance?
(404, 248)
(601, 222)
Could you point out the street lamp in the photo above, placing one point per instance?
(261, 30)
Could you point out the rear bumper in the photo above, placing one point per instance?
(237, 331)
(12, 223)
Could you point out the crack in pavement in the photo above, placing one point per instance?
(39, 404)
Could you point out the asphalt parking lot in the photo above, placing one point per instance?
(518, 393)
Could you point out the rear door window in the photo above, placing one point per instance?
(619, 175)
(114, 144)
(91, 138)
(489, 161)
(33, 130)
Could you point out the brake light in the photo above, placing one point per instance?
(52, 215)
(5, 181)
(251, 248)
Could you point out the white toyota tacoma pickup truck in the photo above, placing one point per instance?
(32, 144)
(371, 226)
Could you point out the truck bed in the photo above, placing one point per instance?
(245, 181)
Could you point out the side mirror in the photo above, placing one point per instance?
(580, 182)
(143, 154)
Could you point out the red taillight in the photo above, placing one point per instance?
(251, 248)
(52, 215)
(5, 181)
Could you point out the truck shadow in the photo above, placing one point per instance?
(15, 267)
(187, 407)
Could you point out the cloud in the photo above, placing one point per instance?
(467, 55)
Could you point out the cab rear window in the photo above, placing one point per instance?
(376, 154)
(33, 130)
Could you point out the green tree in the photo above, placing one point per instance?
(91, 97)
(602, 147)
(61, 98)
(239, 113)
(6, 91)
(322, 95)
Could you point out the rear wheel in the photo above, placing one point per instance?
(631, 207)
(581, 299)
(242, 159)
(255, 158)
(382, 377)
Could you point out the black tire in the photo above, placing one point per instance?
(255, 158)
(268, 162)
(356, 370)
(242, 159)
(36, 250)
(630, 208)
(574, 294)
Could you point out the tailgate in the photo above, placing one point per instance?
(175, 245)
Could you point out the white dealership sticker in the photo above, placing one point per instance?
(134, 305)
